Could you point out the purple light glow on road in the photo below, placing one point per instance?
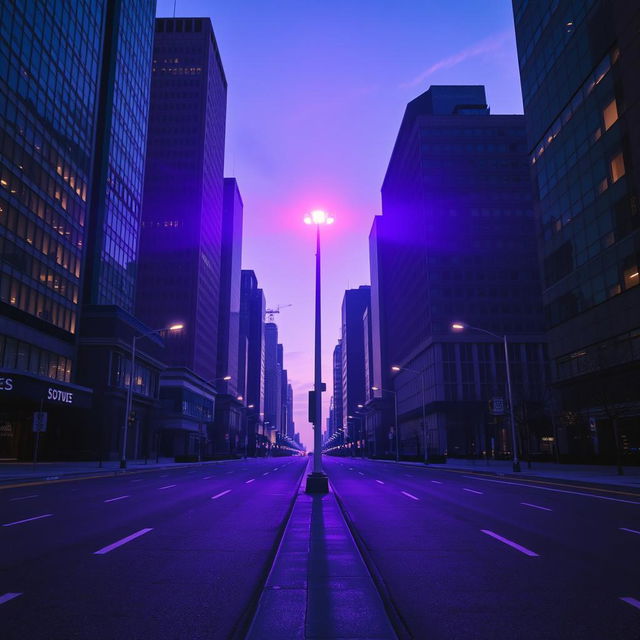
(316, 95)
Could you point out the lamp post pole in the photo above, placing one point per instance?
(395, 413)
(424, 411)
(461, 326)
(317, 481)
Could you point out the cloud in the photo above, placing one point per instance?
(488, 45)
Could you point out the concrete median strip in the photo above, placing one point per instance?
(119, 543)
(511, 543)
(11, 524)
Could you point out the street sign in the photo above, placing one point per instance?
(39, 421)
(496, 406)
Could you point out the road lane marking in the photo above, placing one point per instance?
(536, 506)
(169, 486)
(632, 601)
(35, 495)
(473, 491)
(533, 486)
(436, 482)
(266, 473)
(119, 543)
(250, 481)
(228, 472)
(219, 495)
(207, 477)
(8, 596)
(10, 524)
(350, 468)
(115, 499)
(166, 475)
(379, 482)
(511, 543)
(629, 530)
(410, 495)
(360, 472)
(137, 480)
(276, 468)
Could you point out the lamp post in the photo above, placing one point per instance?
(200, 438)
(424, 416)
(317, 481)
(358, 416)
(127, 415)
(461, 326)
(395, 412)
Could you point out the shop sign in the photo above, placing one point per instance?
(58, 395)
(6, 384)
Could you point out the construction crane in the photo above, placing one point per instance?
(269, 313)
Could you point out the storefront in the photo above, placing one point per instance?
(67, 408)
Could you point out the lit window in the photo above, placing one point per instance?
(610, 114)
(617, 167)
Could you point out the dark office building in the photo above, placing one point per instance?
(354, 304)
(272, 380)
(251, 364)
(456, 243)
(229, 413)
(65, 194)
(337, 411)
(291, 425)
(181, 240)
(579, 69)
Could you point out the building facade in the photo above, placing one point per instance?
(337, 411)
(456, 243)
(582, 105)
(181, 240)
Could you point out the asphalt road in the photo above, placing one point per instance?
(161, 554)
(484, 557)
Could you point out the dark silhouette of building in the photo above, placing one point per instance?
(354, 392)
(337, 411)
(181, 242)
(579, 69)
(455, 243)
(272, 380)
(251, 361)
(229, 412)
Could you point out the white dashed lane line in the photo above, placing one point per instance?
(436, 482)
(379, 482)
(11, 524)
(266, 473)
(8, 596)
(536, 506)
(473, 491)
(360, 472)
(122, 541)
(632, 601)
(410, 495)
(116, 499)
(169, 486)
(35, 495)
(511, 543)
(629, 530)
(250, 481)
(219, 495)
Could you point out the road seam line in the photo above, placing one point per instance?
(511, 543)
(10, 524)
(119, 543)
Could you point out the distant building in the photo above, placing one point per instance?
(579, 69)
(181, 243)
(354, 393)
(291, 425)
(251, 365)
(456, 242)
(229, 413)
(272, 380)
(337, 388)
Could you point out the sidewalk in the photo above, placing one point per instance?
(319, 586)
(593, 474)
(28, 472)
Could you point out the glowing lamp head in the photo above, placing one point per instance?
(395, 368)
(227, 378)
(318, 217)
(375, 388)
(240, 398)
(458, 326)
(176, 327)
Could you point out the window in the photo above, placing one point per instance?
(610, 114)
(617, 167)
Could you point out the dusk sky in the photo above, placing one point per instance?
(317, 90)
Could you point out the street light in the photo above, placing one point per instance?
(461, 326)
(127, 415)
(361, 430)
(424, 416)
(317, 481)
(395, 411)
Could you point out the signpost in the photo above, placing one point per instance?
(39, 426)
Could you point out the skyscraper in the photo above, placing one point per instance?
(272, 379)
(354, 304)
(455, 243)
(579, 70)
(181, 242)
(337, 388)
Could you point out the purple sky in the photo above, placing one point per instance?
(317, 89)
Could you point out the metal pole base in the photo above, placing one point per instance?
(516, 465)
(317, 483)
(123, 464)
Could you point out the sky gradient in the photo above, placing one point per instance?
(317, 90)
